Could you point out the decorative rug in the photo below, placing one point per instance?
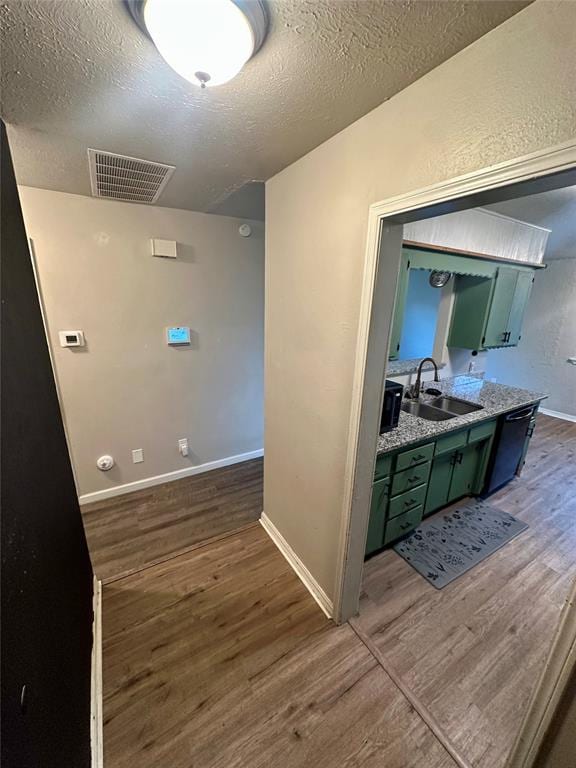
(446, 546)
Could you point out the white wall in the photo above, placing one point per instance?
(539, 362)
(510, 93)
(127, 389)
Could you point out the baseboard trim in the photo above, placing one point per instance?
(298, 566)
(557, 414)
(96, 710)
(168, 477)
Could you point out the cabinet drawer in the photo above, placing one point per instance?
(482, 431)
(414, 456)
(408, 500)
(383, 466)
(403, 524)
(410, 478)
(451, 442)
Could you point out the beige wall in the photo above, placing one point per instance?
(508, 94)
(127, 389)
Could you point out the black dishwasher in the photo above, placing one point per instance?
(511, 434)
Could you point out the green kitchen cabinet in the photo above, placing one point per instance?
(457, 473)
(522, 292)
(464, 471)
(439, 482)
(399, 308)
(377, 522)
(488, 312)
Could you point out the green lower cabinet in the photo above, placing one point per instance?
(424, 479)
(456, 474)
(439, 483)
(377, 522)
(465, 469)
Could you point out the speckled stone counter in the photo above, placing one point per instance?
(403, 367)
(495, 399)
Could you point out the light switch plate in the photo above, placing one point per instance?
(137, 455)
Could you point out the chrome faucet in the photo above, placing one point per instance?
(414, 391)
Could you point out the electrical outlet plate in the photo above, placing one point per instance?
(71, 338)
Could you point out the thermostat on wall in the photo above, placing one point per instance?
(178, 335)
(71, 338)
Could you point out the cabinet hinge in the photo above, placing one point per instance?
(398, 347)
(408, 264)
(483, 340)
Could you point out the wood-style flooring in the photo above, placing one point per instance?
(471, 653)
(220, 658)
(131, 532)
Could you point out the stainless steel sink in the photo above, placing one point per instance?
(454, 405)
(416, 408)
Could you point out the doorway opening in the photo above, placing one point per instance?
(468, 648)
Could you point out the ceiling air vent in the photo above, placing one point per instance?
(117, 177)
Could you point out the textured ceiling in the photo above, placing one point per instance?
(554, 210)
(79, 73)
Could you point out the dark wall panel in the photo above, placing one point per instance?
(46, 570)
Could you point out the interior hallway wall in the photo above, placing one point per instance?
(540, 361)
(510, 93)
(127, 388)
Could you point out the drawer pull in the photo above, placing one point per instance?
(419, 457)
(413, 479)
(410, 502)
(405, 525)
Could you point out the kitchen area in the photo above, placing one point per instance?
(471, 542)
(447, 432)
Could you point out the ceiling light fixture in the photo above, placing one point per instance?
(206, 41)
(439, 278)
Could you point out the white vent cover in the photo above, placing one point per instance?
(117, 177)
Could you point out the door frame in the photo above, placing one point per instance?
(537, 172)
(540, 171)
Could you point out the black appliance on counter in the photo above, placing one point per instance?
(511, 434)
(391, 407)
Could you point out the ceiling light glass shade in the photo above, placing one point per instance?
(205, 41)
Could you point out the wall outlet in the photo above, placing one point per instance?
(137, 455)
(183, 446)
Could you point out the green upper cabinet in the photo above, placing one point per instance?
(521, 296)
(399, 307)
(488, 312)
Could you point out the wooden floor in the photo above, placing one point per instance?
(220, 658)
(471, 653)
(130, 532)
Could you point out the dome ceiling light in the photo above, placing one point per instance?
(438, 278)
(206, 41)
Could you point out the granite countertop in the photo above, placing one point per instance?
(402, 367)
(495, 399)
